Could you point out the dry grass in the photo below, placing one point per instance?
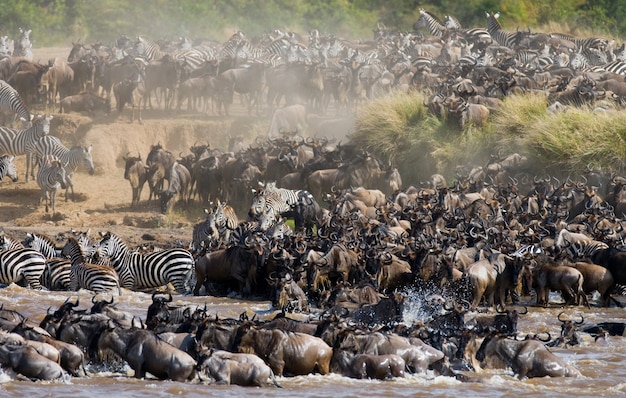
(398, 128)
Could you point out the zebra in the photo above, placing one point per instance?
(585, 249)
(23, 47)
(618, 67)
(148, 50)
(21, 142)
(9, 243)
(7, 167)
(271, 202)
(71, 159)
(145, 271)
(431, 22)
(56, 275)
(50, 177)
(10, 100)
(221, 220)
(22, 264)
(83, 275)
(501, 36)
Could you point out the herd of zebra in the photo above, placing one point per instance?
(56, 162)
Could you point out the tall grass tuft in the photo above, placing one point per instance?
(399, 129)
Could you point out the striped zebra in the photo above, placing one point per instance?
(7, 168)
(148, 50)
(584, 249)
(71, 159)
(21, 142)
(271, 202)
(9, 243)
(23, 47)
(22, 264)
(10, 100)
(618, 67)
(221, 220)
(146, 271)
(56, 275)
(50, 177)
(84, 275)
(501, 36)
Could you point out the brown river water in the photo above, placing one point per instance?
(602, 363)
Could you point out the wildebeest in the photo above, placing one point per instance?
(417, 355)
(363, 366)
(25, 360)
(527, 358)
(289, 120)
(129, 91)
(237, 264)
(567, 280)
(225, 367)
(287, 352)
(146, 353)
(178, 187)
(85, 102)
(135, 172)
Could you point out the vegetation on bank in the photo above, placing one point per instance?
(399, 129)
(56, 22)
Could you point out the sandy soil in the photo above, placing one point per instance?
(102, 200)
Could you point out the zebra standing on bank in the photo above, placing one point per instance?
(50, 177)
(83, 275)
(72, 159)
(21, 142)
(7, 168)
(56, 275)
(152, 270)
(10, 100)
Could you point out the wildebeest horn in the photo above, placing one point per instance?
(559, 317)
(582, 320)
(525, 311)
(544, 340)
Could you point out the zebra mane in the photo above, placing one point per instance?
(430, 15)
(47, 239)
(493, 18)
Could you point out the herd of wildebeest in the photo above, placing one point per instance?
(362, 244)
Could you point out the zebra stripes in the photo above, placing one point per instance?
(585, 249)
(7, 168)
(502, 37)
(221, 220)
(22, 264)
(23, 47)
(21, 142)
(50, 177)
(11, 100)
(71, 159)
(56, 275)
(144, 271)
(83, 275)
(271, 203)
(148, 50)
